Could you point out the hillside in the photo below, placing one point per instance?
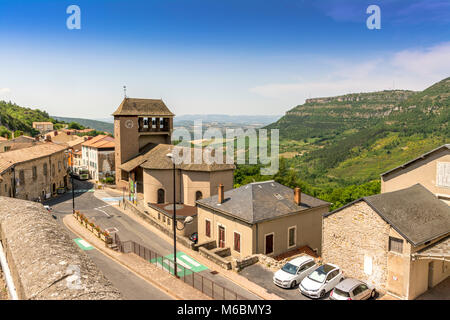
(353, 138)
(94, 124)
(16, 118)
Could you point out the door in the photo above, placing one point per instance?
(221, 237)
(430, 274)
(269, 243)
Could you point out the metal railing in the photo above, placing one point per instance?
(201, 283)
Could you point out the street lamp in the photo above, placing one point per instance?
(188, 220)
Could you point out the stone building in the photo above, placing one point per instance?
(432, 170)
(43, 126)
(261, 217)
(98, 156)
(34, 172)
(397, 241)
(17, 143)
(142, 131)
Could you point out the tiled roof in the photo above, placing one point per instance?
(261, 201)
(413, 212)
(7, 159)
(100, 142)
(157, 158)
(142, 107)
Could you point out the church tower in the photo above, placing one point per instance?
(139, 123)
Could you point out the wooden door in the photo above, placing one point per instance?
(221, 237)
(269, 243)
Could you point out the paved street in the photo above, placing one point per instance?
(263, 277)
(106, 216)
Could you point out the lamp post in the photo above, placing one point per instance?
(71, 178)
(175, 227)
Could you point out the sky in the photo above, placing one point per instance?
(215, 56)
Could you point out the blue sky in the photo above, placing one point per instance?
(216, 56)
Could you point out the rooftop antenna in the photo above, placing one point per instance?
(125, 92)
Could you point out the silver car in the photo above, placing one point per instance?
(352, 289)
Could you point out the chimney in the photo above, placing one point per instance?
(297, 196)
(220, 194)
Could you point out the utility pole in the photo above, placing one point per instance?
(73, 185)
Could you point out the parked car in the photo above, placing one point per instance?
(352, 289)
(321, 280)
(194, 237)
(293, 272)
(49, 209)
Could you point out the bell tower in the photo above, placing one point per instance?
(137, 124)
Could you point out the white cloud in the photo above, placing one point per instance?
(409, 69)
(5, 91)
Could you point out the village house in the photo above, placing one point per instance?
(142, 130)
(34, 172)
(98, 156)
(432, 170)
(18, 143)
(43, 126)
(261, 217)
(398, 241)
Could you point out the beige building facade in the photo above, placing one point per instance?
(34, 172)
(43, 126)
(432, 170)
(262, 217)
(384, 240)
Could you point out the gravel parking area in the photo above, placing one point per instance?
(263, 277)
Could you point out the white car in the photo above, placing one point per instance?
(321, 280)
(293, 272)
(352, 289)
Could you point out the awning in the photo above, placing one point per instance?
(437, 251)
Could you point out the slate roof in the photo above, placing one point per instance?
(260, 201)
(443, 147)
(413, 212)
(439, 250)
(142, 107)
(156, 158)
(10, 158)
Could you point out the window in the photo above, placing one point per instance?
(53, 170)
(161, 196)
(168, 221)
(21, 177)
(395, 245)
(164, 219)
(7, 148)
(34, 172)
(59, 165)
(292, 241)
(237, 242)
(159, 216)
(45, 169)
(198, 195)
(208, 228)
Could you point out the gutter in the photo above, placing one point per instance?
(9, 279)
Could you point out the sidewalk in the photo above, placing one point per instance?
(149, 272)
(231, 275)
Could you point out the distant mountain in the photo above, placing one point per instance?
(352, 138)
(224, 118)
(94, 124)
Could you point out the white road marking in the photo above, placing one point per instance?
(102, 211)
(84, 243)
(191, 261)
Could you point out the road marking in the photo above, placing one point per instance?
(191, 261)
(83, 244)
(187, 265)
(102, 211)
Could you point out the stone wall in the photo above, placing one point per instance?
(356, 239)
(45, 262)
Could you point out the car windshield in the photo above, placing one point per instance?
(318, 275)
(341, 293)
(289, 268)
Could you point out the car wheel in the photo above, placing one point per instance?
(293, 284)
(342, 279)
(373, 294)
(322, 293)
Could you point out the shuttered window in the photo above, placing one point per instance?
(237, 242)
(395, 245)
(208, 228)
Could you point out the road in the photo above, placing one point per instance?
(107, 216)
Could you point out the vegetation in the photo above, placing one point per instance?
(336, 148)
(88, 123)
